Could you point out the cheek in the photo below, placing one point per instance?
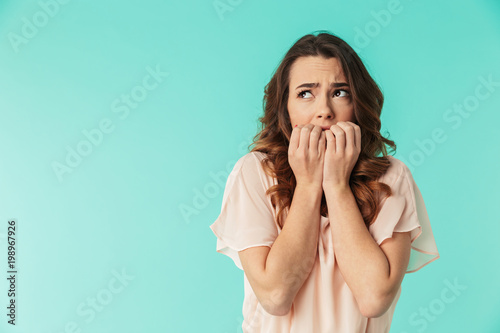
(350, 112)
(295, 115)
(345, 110)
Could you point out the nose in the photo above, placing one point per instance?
(325, 109)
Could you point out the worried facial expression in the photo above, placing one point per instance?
(318, 93)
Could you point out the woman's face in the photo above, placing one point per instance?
(319, 93)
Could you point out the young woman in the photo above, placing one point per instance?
(323, 222)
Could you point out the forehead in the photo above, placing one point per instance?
(309, 69)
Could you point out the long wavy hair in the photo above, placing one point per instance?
(276, 129)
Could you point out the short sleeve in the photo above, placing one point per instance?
(405, 211)
(247, 218)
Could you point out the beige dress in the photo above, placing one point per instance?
(324, 303)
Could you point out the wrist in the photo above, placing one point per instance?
(331, 187)
(311, 187)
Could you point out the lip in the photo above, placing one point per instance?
(325, 127)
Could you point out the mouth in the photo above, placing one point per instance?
(324, 128)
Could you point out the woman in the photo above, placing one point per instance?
(323, 227)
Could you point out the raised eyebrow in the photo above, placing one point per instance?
(316, 84)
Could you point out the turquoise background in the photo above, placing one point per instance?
(117, 212)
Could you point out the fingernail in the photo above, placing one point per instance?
(295, 125)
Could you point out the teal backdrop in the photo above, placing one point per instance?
(120, 122)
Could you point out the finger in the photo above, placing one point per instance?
(322, 142)
(357, 135)
(304, 136)
(294, 139)
(348, 129)
(313, 138)
(330, 141)
(339, 138)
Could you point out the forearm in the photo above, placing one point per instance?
(362, 263)
(293, 253)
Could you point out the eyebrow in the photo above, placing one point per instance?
(316, 84)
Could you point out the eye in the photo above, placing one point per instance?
(339, 90)
(302, 91)
(335, 93)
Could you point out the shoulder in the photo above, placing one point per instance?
(258, 155)
(396, 170)
(250, 166)
(250, 159)
(250, 163)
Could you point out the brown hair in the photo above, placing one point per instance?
(274, 136)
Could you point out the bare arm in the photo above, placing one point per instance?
(373, 273)
(293, 253)
(277, 274)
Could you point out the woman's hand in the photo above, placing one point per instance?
(306, 154)
(343, 145)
